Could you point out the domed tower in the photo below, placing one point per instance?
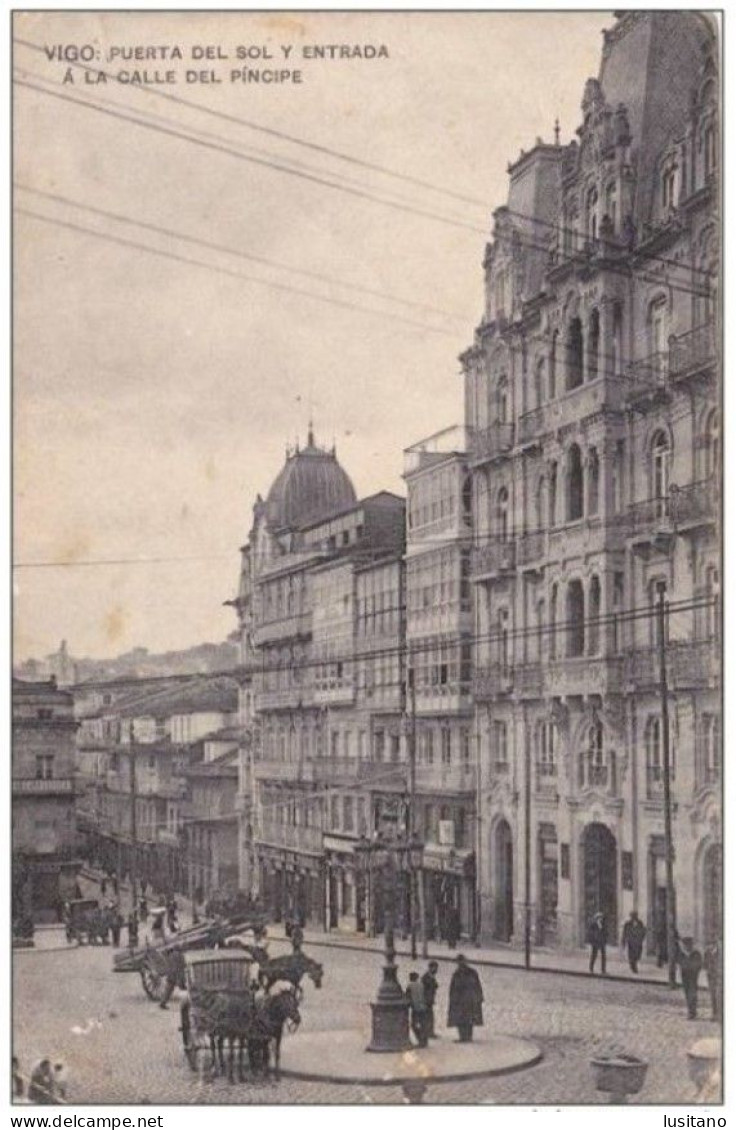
(310, 486)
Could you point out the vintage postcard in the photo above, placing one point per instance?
(367, 683)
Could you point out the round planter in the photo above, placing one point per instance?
(704, 1062)
(619, 1075)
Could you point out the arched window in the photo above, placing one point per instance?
(669, 188)
(467, 499)
(574, 354)
(575, 619)
(594, 613)
(660, 472)
(616, 341)
(593, 481)
(710, 150)
(712, 602)
(712, 445)
(594, 342)
(653, 746)
(503, 639)
(612, 206)
(547, 749)
(593, 763)
(553, 622)
(591, 214)
(539, 504)
(711, 749)
(574, 500)
(502, 514)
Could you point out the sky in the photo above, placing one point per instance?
(154, 396)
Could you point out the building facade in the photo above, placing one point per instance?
(592, 395)
(44, 834)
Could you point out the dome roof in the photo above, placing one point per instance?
(310, 486)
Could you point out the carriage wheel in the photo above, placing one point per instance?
(153, 983)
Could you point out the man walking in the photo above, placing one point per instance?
(417, 1009)
(714, 975)
(691, 962)
(597, 938)
(430, 985)
(466, 1000)
(632, 940)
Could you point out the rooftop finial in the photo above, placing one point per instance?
(557, 131)
(310, 433)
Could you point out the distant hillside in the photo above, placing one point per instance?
(203, 658)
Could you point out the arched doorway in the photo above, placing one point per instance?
(503, 851)
(600, 877)
(712, 892)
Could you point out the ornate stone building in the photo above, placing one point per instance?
(592, 394)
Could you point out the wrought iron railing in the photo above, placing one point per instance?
(692, 351)
(492, 442)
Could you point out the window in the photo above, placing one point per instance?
(660, 471)
(712, 602)
(553, 494)
(711, 749)
(575, 354)
(465, 748)
(539, 384)
(502, 514)
(44, 767)
(546, 749)
(612, 207)
(553, 623)
(503, 639)
(503, 401)
(379, 745)
(619, 463)
(45, 713)
(446, 747)
(712, 445)
(428, 747)
(658, 331)
(500, 743)
(710, 150)
(553, 365)
(591, 214)
(653, 743)
(574, 484)
(334, 812)
(594, 615)
(593, 764)
(395, 747)
(575, 619)
(594, 342)
(669, 184)
(593, 481)
(348, 814)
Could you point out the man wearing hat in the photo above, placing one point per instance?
(466, 1000)
(690, 961)
(597, 938)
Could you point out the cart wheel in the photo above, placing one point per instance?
(153, 983)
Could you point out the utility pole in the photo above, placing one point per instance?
(133, 833)
(527, 850)
(415, 909)
(668, 848)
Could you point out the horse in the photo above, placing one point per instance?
(272, 1015)
(292, 967)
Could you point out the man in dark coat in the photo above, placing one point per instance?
(632, 940)
(431, 985)
(597, 938)
(466, 1000)
(714, 973)
(691, 962)
(452, 926)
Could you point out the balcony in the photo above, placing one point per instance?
(546, 778)
(492, 443)
(492, 559)
(349, 770)
(275, 769)
(646, 380)
(284, 698)
(690, 664)
(296, 626)
(531, 427)
(436, 448)
(693, 506)
(530, 549)
(576, 404)
(492, 680)
(589, 674)
(47, 786)
(444, 698)
(341, 694)
(597, 774)
(529, 680)
(692, 354)
(445, 778)
(650, 525)
(294, 837)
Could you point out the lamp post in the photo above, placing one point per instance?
(390, 1010)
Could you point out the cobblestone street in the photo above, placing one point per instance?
(119, 1047)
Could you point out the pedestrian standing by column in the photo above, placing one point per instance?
(690, 961)
(132, 930)
(417, 1009)
(632, 940)
(431, 985)
(712, 961)
(597, 938)
(466, 1000)
(116, 925)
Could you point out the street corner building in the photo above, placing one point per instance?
(592, 392)
(500, 628)
(44, 831)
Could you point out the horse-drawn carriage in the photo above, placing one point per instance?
(226, 1013)
(86, 921)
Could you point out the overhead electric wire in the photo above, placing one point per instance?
(221, 247)
(272, 132)
(218, 147)
(133, 244)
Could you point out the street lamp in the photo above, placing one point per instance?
(390, 1010)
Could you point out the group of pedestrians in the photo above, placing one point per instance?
(687, 957)
(46, 1086)
(465, 1006)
